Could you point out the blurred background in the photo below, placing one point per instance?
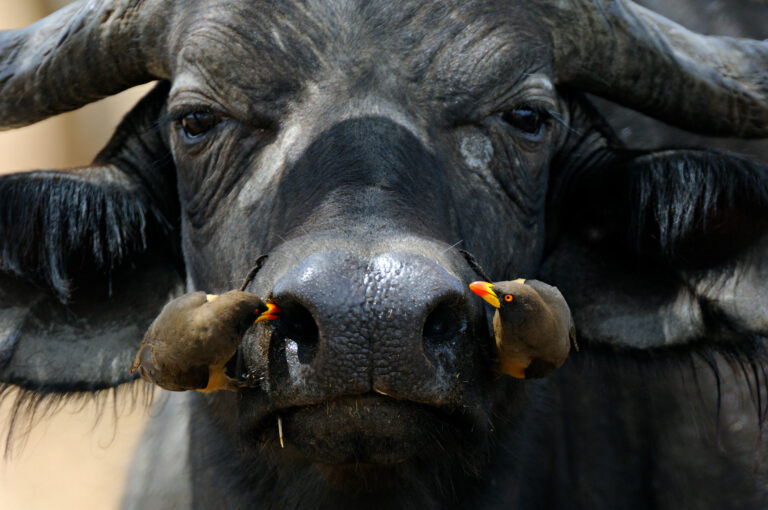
(70, 460)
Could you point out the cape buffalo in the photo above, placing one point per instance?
(382, 154)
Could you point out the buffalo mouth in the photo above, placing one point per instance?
(364, 430)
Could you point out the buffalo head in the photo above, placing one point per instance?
(368, 149)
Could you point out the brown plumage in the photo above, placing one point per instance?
(190, 342)
(532, 326)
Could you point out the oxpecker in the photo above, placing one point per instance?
(532, 326)
(189, 344)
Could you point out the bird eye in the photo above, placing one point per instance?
(508, 298)
(528, 120)
(196, 124)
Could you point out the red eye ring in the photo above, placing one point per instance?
(508, 298)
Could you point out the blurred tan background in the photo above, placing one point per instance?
(69, 461)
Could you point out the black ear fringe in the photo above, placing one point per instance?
(28, 407)
(53, 224)
(684, 202)
(681, 208)
(749, 362)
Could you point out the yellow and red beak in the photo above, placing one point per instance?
(271, 313)
(483, 289)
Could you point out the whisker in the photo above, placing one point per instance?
(454, 245)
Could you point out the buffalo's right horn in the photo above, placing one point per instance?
(81, 53)
(628, 54)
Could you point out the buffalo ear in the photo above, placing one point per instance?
(88, 257)
(666, 249)
(89, 343)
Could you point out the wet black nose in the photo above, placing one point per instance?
(396, 323)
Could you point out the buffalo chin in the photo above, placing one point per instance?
(361, 479)
(364, 430)
(362, 437)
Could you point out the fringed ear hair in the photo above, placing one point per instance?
(55, 223)
(675, 207)
(695, 207)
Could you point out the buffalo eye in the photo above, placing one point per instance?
(528, 120)
(196, 124)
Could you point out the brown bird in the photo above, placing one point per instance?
(532, 326)
(190, 342)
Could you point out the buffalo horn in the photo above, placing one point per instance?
(635, 57)
(81, 53)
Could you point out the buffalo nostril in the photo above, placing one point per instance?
(297, 325)
(444, 324)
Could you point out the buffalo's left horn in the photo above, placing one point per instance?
(81, 53)
(628, 54)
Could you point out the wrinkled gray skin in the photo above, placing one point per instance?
(361, 146)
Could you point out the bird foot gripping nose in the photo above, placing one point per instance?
(219, 380)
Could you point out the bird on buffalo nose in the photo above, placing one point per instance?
(189, 344)
(532, 326)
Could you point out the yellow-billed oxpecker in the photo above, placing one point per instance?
(189, 344)
(532, 326)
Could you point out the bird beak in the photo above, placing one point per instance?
(271, 313)
(483, 289)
